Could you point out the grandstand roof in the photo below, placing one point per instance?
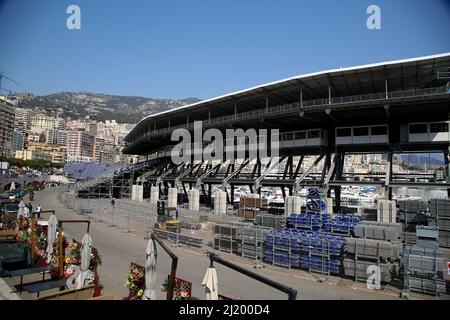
(404, 74)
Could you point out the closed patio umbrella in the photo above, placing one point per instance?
(12, 187)
(151, 254)
(20, 212)
(51, 236)
(211, 284)
(86, 247)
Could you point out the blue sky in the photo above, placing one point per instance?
(204, 48)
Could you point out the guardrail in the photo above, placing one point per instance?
(177, 239)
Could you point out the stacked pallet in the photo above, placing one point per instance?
(249, 206)
(423, 270)
(271, 221)
(251, 241)
(310, 250)
(359, 269)
(378, 230)
(225, 237)
(374, 249)
(440, 212)
(412, 213)
(362, 253)
(275, 208)
(342, 224)
(386, 211)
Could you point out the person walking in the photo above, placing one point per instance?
(30, 207)
(38, 212)
(113, 202)
(26, 212)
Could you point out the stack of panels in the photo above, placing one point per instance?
(423, 261)
(359, 269)
(427, 286)
(225, 238)
(378, 230)
(276, 208)
(440, 211)
(320, 264)
(412, 205)
(271, 221)
(374, 249)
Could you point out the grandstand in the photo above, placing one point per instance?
(389, 108)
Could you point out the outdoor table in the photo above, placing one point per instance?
(44, 285)
(27, 271)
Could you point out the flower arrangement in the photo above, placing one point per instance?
(182, 290)
(72, 262)
(135, 282)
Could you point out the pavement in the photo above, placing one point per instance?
(118, 249)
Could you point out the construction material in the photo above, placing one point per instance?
(220, 203)
(374, 249)
(378, 230)
(194, 200)
(359, 269)
(251, 241)
(225, 238)
(172, 198)
(271, 221)
(440, 215)
(423, 270)
(154, 195)
(386, 211)
(292, 205)
(275, 208)
(343, 224)
(315, 251)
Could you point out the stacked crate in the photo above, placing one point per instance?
(271, 221)
(440, 213)
(411, 213)
(225, 237)
(339, 224)
(315, 251)
(249, 206)
(423, 270)
(275, 208)
(386, 211)
(362, 253)
(378, 230)
(251, 241)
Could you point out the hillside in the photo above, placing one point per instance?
(129, 109)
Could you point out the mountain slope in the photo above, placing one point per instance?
(100, 106)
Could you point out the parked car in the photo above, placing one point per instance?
(10, 208)
(7, 196)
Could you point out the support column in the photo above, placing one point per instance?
(387, 187)
(447, 168)
(337, 190)
(447, 160)
(329, 94)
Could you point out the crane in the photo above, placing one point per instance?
(2, 75)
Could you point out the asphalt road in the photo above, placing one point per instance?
(119, 249)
